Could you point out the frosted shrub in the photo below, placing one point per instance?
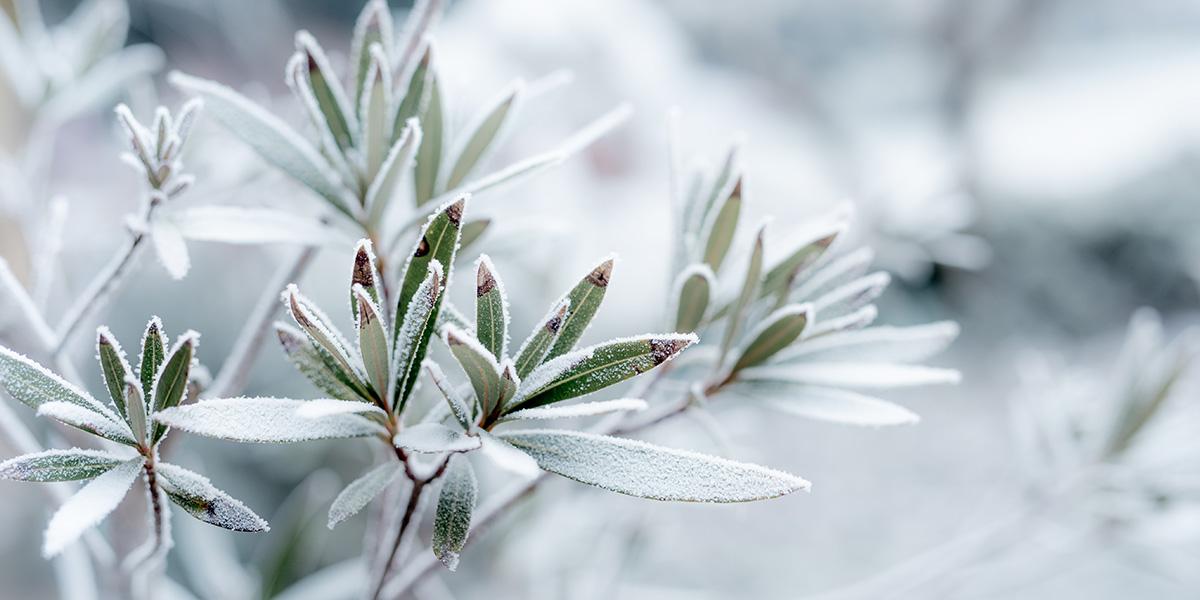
(378, 154)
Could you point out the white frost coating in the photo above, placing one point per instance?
(361, 491)
(458, 406)
(396, 164)
(884, 344)
(644, 470)
(263, 420)
(244, 225)
(89, 506)
(462, 338)
(200, 498)
(855, 320)
(701, 269)
(32, 384)
(841, 406)
(563, 305)
(485, 261)
(325, 407)
(170, 247)
(508, 457)
(59, 465)
(583, 409)
(88, 420)
(548, 372)
(434, 438)
(316, 324)
(842, 269)
(853, 375)
(456, 502)
(415, 318)
(852, 295)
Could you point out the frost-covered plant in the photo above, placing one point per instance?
(163, 379)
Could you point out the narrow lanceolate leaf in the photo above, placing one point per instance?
(365, 274)
(429, 155)
(700, 207)
(331, 98)
(113, 366)
(745, 296)
(34, 385)
(835, 406)
(509, 383)
(373, 343)
(458, 406)
(491, 309)
(154, 352)
(438, 241)
(434, 438)
(484, 135)
(89, 506)
(837, 272)
(135, 407)
(647, 471)
(263, 420)
(172, 380)
(270, 137)
(583, 409)
(195, 494)
(480, 366)
(535, 348)
(585, 300)
(58, 465)
(397, 163)
(88, 420)
(600, 366)
(854, 375)
(883, 344)
(775, 333)
(362, 491)
(779, 278)
(412, 341)
(375, 109)
(721, 228)
(416, 95)
(456, 502)
(694, 288)
(851, 296)
(318, 369)
(327, 407)
(321, 332)
(374, 26)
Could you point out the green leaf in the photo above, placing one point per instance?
(456, 502)
(58, 465)
(373, 342)
(746, 296)
(316, 365)
(509, 383)
(375, 113)
(416, 96)
(316, 325)
(327, 90)
(585, 301)
(480, 366)
(114, 367)
(780, 277)
(484, 135)
(438, 241)
(458, 405)
(154, 350)
(491, 309)
(361, 491)
(722, 227)
(412, 341)
(775, 333)
(195, 494)
(135, 405)
(374, 26)
(644, 470)
(597, 367)
(697, 213)
(537, 345)
(34, 385)
(171, 382)
(429, 155)
(365, 274)
(694, 286)
(271, 138)
(399, 161)
(88, 420)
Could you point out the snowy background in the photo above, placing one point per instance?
(1025, 167)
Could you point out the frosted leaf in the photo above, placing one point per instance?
(693, 290)
(853, 375)
(325, 407)
(437, 242)
(773, 334)
(549, 371)
(749, 290)
(154, 352)
(113, 366)
(855, 320)
(362, 491)
(374, 108)
(583, 409)
(243, 225)
(431, 151)
(480, 366)
(458, 406)
(491, 308)
(59, 465)
(32, 384)
(433, 438)
(456, 502)
(884, 344)
(277, 143)
(508, 457)
(90, 505)
(838, 271)
(533, 351)
(195, 494)
(644, 470)
(817, 242)
(321, 331)
(264, 420)
(722, 225)
(327, 89)
(171, 380)
(834, 405)
(484, 133)
(171, 249)
(372, 341)
(88, 420)
(307, 359)
(413, 333)
(373, 26)
(852, 296)
(135, 407)
(396, 164)
(585, 299)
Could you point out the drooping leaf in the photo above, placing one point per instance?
(721, 228)
(778, 331)
(429, 155)
(88, 420)
(585, 300)
(458, 406)
(598, 367)
(746, 295)
(582, 409)
(373, 342)
(413, 339)
(172, 380)
(694, 288)
(34, 385)
(195, 494)
(491, 309)
(480, 366)
(263, 420)
(58, 465)
(535, 348)
(113, 366)
(154, 352)
(362, 491)
(488, 130)
(456, 502)
(308, 360)
(434, 438)
(644, 470)
(271, 138)
(327, 90)
(89, 506)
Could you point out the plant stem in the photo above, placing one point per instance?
(156, 507)
(410, 509)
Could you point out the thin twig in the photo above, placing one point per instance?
(99, 291)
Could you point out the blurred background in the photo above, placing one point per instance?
(1025, 167)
